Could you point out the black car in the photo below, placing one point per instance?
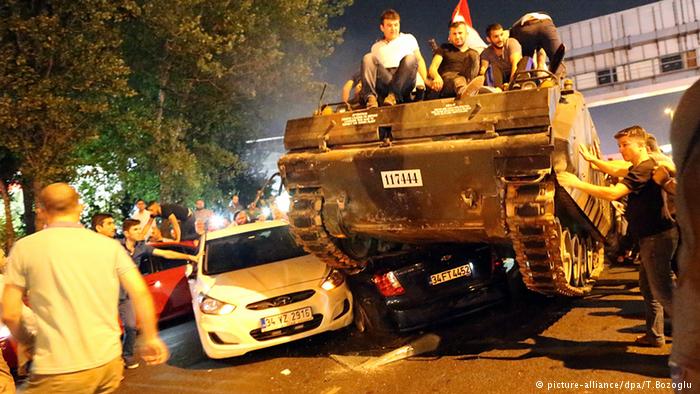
(412, 290)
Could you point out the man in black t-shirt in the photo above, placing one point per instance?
(180, 217)
(649, 223)
(455, 65)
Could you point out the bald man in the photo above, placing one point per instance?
(72, 276)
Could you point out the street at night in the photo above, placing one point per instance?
(507, 348)
(349, 196)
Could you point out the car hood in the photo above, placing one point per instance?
(266, 278)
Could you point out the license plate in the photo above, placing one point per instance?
(286, 319)
(403, 178)
(454, 273)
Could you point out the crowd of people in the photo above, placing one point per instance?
(70, 334)
(395, 71)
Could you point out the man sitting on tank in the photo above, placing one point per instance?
(389, 71)
(503, 55)
(454, 70)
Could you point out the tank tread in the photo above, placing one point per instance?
(306, 223)
(537, 238)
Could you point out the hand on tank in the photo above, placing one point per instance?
(567, 179)
(587, 153)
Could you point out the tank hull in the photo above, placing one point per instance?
(476, 170)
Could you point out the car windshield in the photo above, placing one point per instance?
(249, 249)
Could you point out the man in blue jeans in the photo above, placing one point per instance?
(649, 223)
(389, 70)
(138, 250)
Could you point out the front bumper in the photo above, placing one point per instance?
(240, 332)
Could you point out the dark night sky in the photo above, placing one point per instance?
(429, 18)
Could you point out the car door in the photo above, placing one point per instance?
(167, 282)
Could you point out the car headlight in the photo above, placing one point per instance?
(212, 306)
(334, 279)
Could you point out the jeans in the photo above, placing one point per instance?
(656, 280)
(126, 314)
(501, 76)
(378, 81)
(534, 36)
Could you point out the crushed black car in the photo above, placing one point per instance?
(406, 291)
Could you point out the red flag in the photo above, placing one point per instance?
(461, 13)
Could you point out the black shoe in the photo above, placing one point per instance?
(647, 341)
(131, 362)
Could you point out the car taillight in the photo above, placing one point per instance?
(388, 284)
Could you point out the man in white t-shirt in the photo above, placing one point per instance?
(389, 71)
(143, 216)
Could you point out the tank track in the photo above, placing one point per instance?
(538, 242)
(307, 227)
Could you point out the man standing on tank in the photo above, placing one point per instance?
(389, 70)
(535, 31)
(455, 65)
(649, 223)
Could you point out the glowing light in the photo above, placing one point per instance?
(282, 202)
(266, 211)
(4, 332)
(216, 222)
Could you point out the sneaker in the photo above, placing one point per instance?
(390, 99)
(371, 102)
(489, 89)
(131, 362)
(647, 341)
(472, 88)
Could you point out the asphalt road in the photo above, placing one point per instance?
(553, 342)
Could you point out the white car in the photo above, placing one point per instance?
(255, 288)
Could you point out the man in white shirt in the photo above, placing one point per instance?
(389, 70)
(143, 216)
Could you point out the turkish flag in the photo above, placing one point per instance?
(461, 13)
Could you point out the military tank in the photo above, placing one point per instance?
(477, 170)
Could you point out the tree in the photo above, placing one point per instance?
(60, 66)
(216, 73)
(9, 165)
